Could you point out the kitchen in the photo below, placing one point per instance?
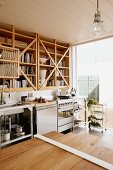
(39, 96)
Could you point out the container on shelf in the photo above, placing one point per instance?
(43, 74)
(43, 60)
(5, 135)
(43, 77)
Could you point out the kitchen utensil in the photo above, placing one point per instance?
(20, 134)
(19, 129)
(64, 97)
(16, 128)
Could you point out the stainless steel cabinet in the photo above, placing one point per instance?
(7, 134)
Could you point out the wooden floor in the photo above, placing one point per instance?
(110, 118)
(36, 154)
(102, 139)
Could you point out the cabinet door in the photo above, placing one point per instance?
(47, 120)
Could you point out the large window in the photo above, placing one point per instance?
(95, 69)
(89, 86)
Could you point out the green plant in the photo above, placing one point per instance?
(91, 102)
(93, 121)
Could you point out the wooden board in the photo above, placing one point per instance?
(36, 104)
(37, 154)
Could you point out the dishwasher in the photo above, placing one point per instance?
(46, 118)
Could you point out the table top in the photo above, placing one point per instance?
(37, 154)
(36, 104)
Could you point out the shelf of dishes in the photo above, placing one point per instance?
(9, 62)
(14, 139)
(12, 132)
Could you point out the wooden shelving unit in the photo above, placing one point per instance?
(32, 50)
(57, 64)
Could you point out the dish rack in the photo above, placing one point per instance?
(9, 62)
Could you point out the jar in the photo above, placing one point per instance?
(5, 135)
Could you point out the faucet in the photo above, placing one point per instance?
(5, 83)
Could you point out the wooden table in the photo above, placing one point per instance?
(36, 154)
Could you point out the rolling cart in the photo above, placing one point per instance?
(98, 117)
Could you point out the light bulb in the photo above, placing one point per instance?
(97, 28)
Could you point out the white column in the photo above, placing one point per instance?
(74, 66)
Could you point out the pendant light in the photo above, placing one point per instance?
(97, 28)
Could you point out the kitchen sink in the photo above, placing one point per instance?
(9, 109)
(10, 105)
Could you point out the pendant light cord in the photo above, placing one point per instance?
(97, 4)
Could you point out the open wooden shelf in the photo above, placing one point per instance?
(20, 47)
(48, 43)
(43, 52)
(61, 46)
(63, 76)
(32, 47)
(24, 36)
(32, 64)
(6, 31)
(48, 66)
(7, 44)
(60, 55)
(8, 61)
(63, 68)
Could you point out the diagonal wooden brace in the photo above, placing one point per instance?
(27, 79)
(27, 47)
(56, 65)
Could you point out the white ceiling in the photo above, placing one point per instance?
(65, 20)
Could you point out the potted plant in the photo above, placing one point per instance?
(91, 102)
(93, 121)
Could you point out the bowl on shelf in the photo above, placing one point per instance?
(43, 60)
